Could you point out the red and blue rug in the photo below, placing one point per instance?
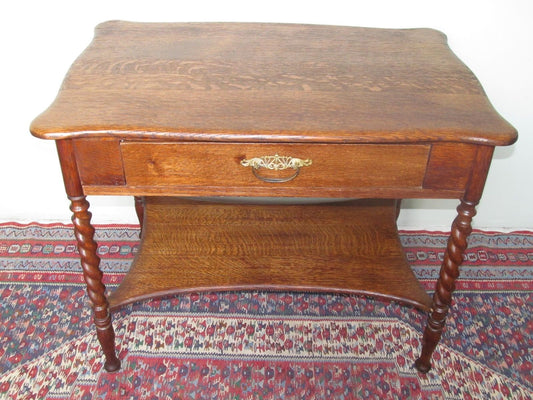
(261, 345)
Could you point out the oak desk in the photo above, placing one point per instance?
(167, 112)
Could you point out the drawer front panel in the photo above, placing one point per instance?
(219, 165)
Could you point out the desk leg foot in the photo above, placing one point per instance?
(457, 243)
(92, 274)
(112, 365)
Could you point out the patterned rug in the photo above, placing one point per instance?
(261, 345)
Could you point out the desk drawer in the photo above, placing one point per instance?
(221, 165)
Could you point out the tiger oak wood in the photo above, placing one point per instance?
(159, 110)
(335, 166)
(348, 247)
(271, 83)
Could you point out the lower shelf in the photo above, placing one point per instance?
(348, 247)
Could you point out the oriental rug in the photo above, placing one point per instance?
(260, 344)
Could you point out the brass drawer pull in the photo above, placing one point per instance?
(277, 163)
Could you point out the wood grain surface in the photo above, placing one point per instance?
(333, 165)
(349, 247)
(271, 83)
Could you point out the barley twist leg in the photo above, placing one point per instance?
(457, 243)
(92, 274)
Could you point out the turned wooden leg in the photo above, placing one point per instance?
(457, 243)
(92, 274)
(87, 247)
(139, 209)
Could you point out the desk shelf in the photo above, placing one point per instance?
(347, 247)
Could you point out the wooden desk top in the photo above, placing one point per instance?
(271, 83)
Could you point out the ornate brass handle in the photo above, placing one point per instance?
(277, 163)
